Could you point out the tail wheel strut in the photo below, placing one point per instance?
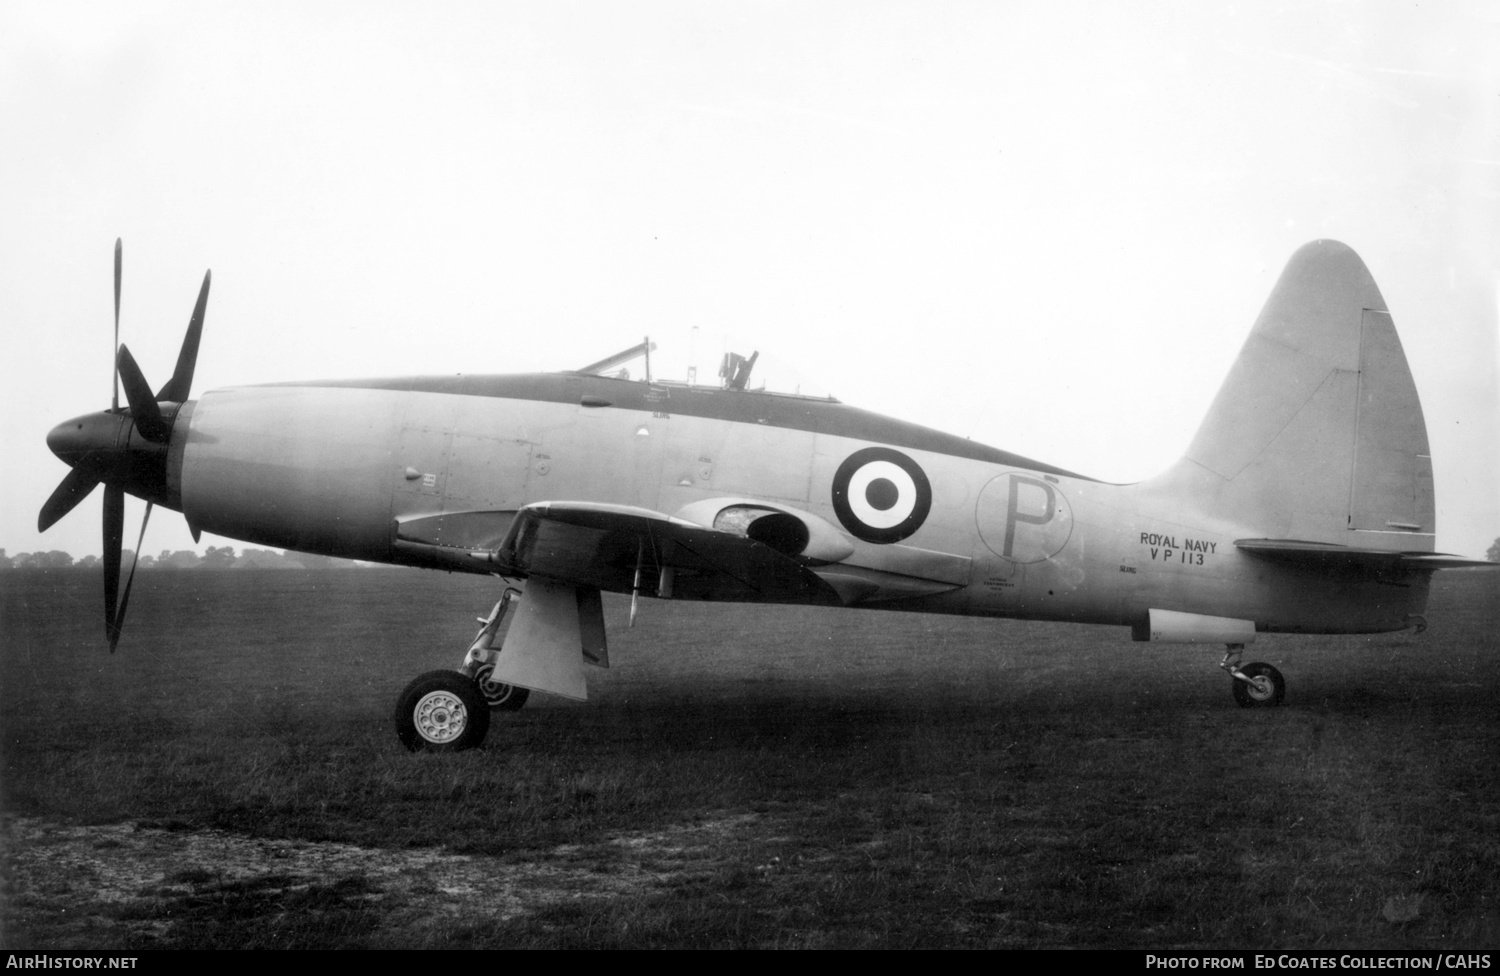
(1255, 685)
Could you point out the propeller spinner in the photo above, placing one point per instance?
(126, 450)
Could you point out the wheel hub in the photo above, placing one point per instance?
(440, 717)
(491, 689)
(496, 693)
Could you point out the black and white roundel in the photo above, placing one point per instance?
(881, 495)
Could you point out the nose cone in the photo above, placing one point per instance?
(94, 436)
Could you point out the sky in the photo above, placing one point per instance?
(1047, 226)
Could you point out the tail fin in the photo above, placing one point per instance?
(1317, 433)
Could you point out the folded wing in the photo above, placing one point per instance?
(622, 549)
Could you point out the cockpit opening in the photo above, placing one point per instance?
(681, 364)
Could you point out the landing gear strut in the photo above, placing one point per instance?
(1255, 685)
(479, 663)
(449, 711)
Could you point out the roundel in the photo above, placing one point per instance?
(881, 495)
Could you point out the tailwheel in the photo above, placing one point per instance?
(499, 696)
(1258, 685)
(442, 711)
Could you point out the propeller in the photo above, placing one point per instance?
(126, 450)
(119, 618)
(65, 497)
(119, 248)
(143, 406)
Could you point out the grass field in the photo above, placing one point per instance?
(742, 777)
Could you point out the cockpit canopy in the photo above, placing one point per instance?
(706, 364)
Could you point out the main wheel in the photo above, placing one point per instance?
(500, 697)
(1265, 688)
(442, 711)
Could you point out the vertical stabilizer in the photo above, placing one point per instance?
(1317, 433)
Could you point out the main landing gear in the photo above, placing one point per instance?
(442, 711)
(1255, 685)
(449, 711)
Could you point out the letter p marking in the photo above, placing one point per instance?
(1013, 513)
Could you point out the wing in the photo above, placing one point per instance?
(621, 548)
(452, 540)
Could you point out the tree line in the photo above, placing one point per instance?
(215, 557)
(224, 557)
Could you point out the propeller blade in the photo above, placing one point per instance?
(181, 383)
(118, 245)
(65, 497)
(114, 531)
(143, 408)
(119, 624)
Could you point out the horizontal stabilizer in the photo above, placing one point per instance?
(1330, 556)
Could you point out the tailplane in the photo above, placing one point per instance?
(1317, 434)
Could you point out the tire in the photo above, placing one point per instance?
(1265, 689)
(500, 697)
(441, 711)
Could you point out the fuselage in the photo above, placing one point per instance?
(935, 522)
